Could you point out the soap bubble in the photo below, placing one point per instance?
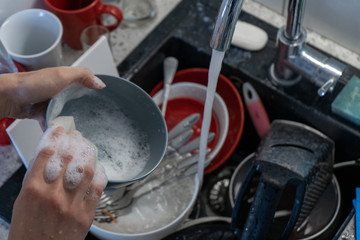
(84, 154)
(53, 139)
(73, 91)
(75, 150)
(100, 179)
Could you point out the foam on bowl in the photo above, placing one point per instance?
(122, 121)
(123, 149)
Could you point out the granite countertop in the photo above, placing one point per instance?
(125, 38)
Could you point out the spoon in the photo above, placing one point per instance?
(170, 67)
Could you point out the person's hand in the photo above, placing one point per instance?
(26, 94)
(60, 190)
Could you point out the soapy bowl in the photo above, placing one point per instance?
(123, 122)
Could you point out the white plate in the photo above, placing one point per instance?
(198, 91)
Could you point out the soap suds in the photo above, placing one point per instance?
(69, 93)
(123, 148)
(71, 149)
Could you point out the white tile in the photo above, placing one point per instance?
(276, 5)
(315, 39)
(336, 20)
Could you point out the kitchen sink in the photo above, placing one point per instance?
(185, 34)
(299, 104)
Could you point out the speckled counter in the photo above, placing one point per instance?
(125, 39)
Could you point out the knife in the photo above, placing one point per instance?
(194, 144)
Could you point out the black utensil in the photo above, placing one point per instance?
(292, 156)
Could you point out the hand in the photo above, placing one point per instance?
(26, 94)
(60, 191)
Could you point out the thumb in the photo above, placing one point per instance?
(89, 80)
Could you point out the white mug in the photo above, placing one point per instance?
(32, 38)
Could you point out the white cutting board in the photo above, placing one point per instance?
(98, 58)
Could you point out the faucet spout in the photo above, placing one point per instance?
(225, 24)
(295, 14)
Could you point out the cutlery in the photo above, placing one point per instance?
(184, 125)
(170, 67)
(194, 144)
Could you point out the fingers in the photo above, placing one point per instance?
(80, 170)
(68, 162)
(26, 89)
(41, 85)
(93, 195)
(82, 76)
(97, 186)
(46, 152)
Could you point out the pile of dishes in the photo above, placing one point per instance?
(160, 212)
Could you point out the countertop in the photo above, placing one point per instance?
(126, 38)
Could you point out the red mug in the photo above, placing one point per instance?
(76, 15)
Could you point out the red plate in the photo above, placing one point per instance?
(233, 101)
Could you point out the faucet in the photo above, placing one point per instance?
(225, 24)
(295, 59)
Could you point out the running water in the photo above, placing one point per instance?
(214, 71)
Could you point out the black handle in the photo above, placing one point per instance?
(266, 200)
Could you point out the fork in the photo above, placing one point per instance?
(182, 160)
(114, 204)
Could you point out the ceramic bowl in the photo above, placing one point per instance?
(198, 92)
(154, 215)
(121, 120)
(229, 93)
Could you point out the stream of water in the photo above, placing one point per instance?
(214, 71)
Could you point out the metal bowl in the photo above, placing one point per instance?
(320, 219)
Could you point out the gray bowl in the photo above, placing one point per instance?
(134, 103)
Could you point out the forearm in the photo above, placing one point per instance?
(7, 91)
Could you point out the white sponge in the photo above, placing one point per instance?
(67, 122)
(249, 37)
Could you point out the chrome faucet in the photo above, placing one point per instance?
(296, 59)
(225, 24)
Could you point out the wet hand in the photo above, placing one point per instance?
(60, 190)
(26, 94)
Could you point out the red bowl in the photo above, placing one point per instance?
(179, 108)
(19, 67)
(233, 101)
